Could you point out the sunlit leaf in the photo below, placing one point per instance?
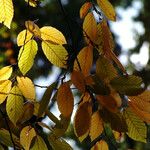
(77, 79)
(26, 136)
(128, 85)
(52, 35)
(46, 99)
(116, 120)
(56, 54)
(85, 60)
(100, 145)
(5, 72)
(82, 120)
(33, 28)
(23, 37)
(136, 127)
(5, 87)
(32, 3)
(90, 27)
(7, 12)
(96, 127)
(143, 115)
(39, 144)
(105, 69)
(142, 100)
(26, 56)
(58, 144)
(6, 139)
(108, 9)
(27, 88)
(85, 9)
(14, 105)
(65, 99)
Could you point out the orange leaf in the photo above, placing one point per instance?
(96, 127)
(84, 9)
(82, 120)
(85, 59)
(77, 79)
(65, 99)
(101, 145)
(90, 27)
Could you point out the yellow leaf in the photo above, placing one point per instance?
(82, 120)
(137, 129)
(143, 115)
(77, 79)
(24, 37)
(5, 87)
(33, 28)
(142, 101)
(27, 88)
(39, 144)
(7, 12)
(65, 99)
(96, 127)
(84, 9)
(90, 27)
(85, 59)
(26, 56)
(5, 72)
(119, 136)
(26, 136)
(101, 145)
(32, 3)
(52, 35)
(108, 9)
(14, 105)
(56, 54)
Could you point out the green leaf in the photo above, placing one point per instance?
(46, 99)
(116, 120)
(14, 105)
(136, 127)
(39, 144)
(56, 54)
(58, 144)
(128, 85)
(7, 12)
(26, 56)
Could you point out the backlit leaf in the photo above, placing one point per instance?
(65, 99)
(26, 136)
(39, 144)
(77, 79)
(58, 144)
(56, 54)
(105, 69)
(52, 35)
(14, 105)
(26, 56)
(82, 120)
(46, 99)
(108, 9)
(7, 12)
(100, 145)
(23, 37)
(90, 27)
(32, 3)
(5, 87)
(33, 28)
(128, 85)
(27, 88)
(96, 127)
(116, 120)
(85, 59)
(136, 127)
(5, 72)
(84, 9)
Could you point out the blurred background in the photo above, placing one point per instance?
(131, 33)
